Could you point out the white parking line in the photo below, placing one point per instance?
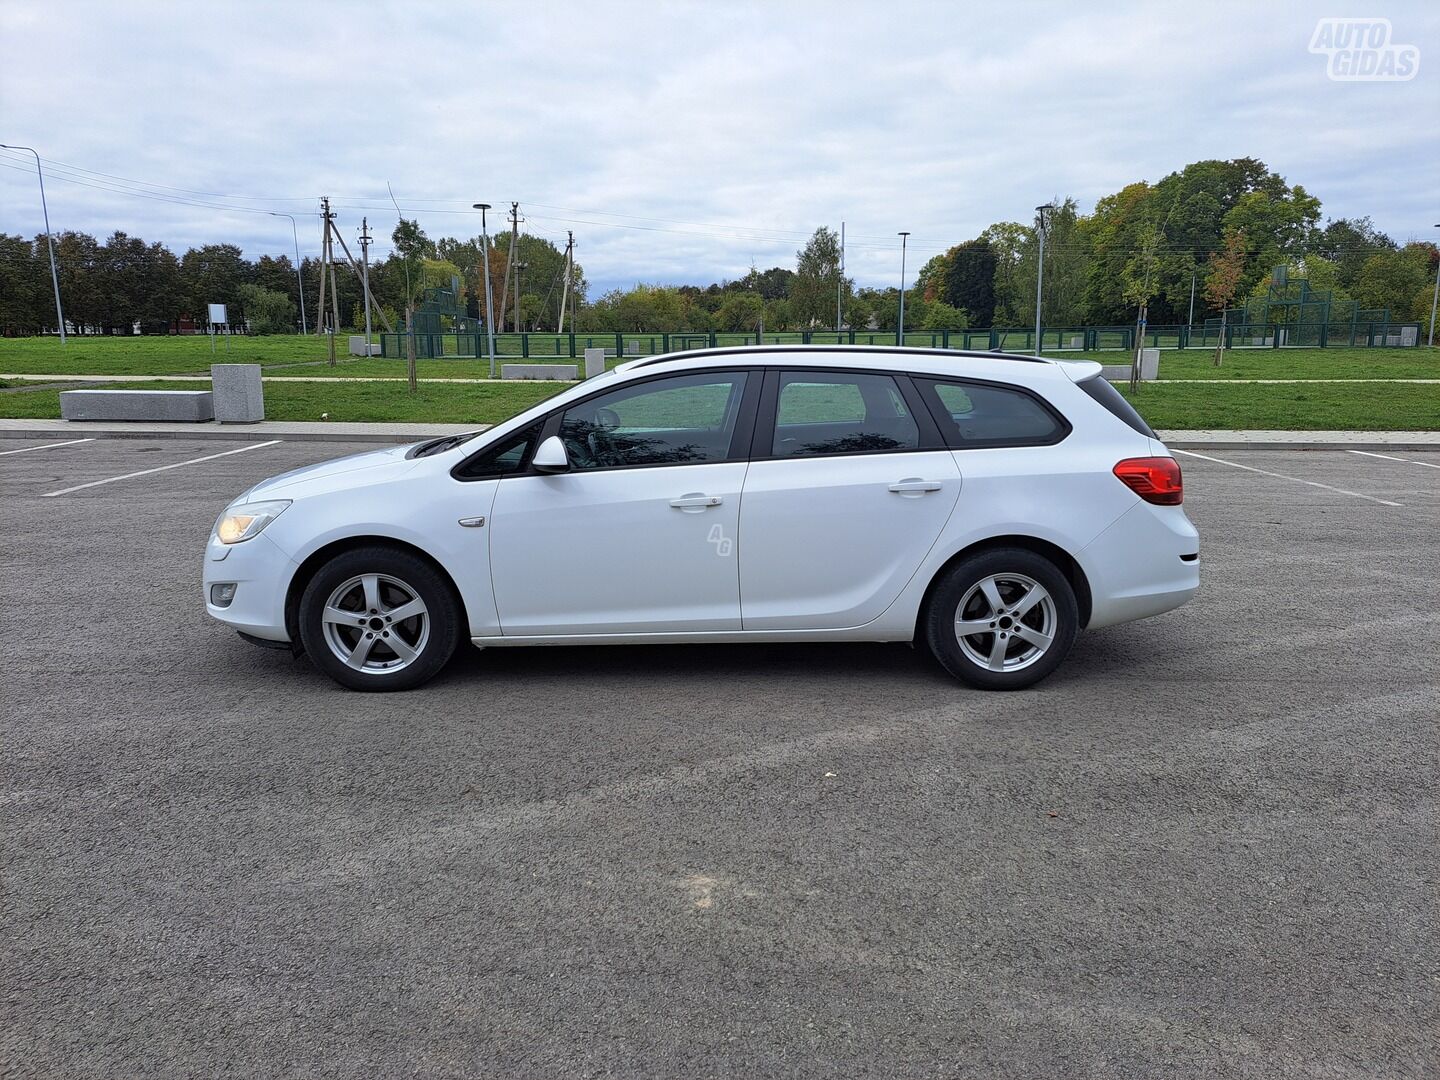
(1282, 476)
(162, 468)
(1387, 457)
(47, 446)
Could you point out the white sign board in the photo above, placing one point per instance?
(217, 315)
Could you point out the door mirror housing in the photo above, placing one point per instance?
(550, 456)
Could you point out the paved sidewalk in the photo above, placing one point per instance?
(317, 431)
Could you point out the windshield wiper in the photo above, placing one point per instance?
(440, 445)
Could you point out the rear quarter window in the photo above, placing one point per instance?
(976, 415)
(1114, 403)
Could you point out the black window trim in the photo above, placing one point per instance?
(763, 445)
(524, 469)
(927, 382)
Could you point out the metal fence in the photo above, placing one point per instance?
(1080, 339)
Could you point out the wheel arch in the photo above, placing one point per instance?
(321, 555)
(1062, 559)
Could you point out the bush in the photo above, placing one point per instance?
(267, 312)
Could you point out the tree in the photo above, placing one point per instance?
(1394, 280)
(969, 282)
(816, 285)
(412, 249)
(212, 274)
(267, 311)
(1223, 281)
(939, 315)
(1348, 243)
(1139, 284)
(23, 296)
(741, 311)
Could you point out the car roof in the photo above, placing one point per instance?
(1008, 367)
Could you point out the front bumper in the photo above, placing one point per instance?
(261, 574)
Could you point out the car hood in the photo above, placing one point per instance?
(327, 475)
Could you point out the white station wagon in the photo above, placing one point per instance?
(984, 506)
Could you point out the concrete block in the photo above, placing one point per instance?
(1149, 368)
(239, 393)
(183, 406)
(594, 362)
(358, 346)
(539, 371)
(1149, 364)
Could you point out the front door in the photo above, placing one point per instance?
(846, 496)
(640, 536)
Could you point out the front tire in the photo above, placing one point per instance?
(379, 618)
(1002, 619)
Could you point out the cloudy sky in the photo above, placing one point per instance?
(684, 141)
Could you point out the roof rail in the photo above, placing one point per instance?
(888, 350)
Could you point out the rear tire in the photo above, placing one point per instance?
(379, 618)
(1002, 619)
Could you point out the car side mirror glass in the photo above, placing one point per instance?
(550, 456)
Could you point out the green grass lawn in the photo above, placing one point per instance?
(1325, 406)
(345, 402)
(191, 355)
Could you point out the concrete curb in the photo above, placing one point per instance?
(392, 434)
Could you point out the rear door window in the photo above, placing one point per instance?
(821, 412)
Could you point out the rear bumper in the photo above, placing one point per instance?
(261, 574)
(1138, 567)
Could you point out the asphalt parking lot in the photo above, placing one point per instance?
(1206, 847)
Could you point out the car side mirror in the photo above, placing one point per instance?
(550, 456)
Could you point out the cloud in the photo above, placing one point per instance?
(724, 133)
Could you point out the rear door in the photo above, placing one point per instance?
(849, 487)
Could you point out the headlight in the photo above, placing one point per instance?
(239, 523)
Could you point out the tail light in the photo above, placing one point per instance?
(1154, 479)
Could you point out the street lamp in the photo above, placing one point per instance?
(1042, 218)
(900, 327)
(520, 268)
(49, 240)
(489, 320)
(1435, 300)
(300, 281)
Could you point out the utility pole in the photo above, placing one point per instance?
(365, 239)
(489, 318)
(1190, 325)
(569, 270)
(324, 247)
(1041, 223)
(840, 285)
(330, 266)
(900, 327)
(1434, 300)
(520, 268)
(510, 264)
(50, 241)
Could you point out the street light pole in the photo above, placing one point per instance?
(489, 319)
(1040, 212)
(49, 240)
(1435, 300)
(299, 280)
(900, 327)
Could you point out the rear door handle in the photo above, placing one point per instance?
(695, 502)
(915, 486)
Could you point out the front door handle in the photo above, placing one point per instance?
(913, 486)
(695, 502)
